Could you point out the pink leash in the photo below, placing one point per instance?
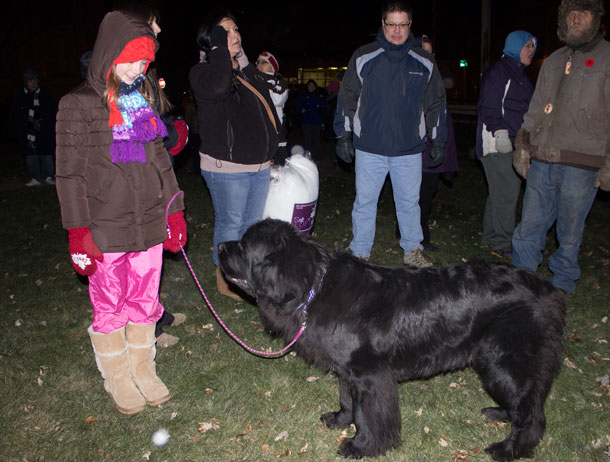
(233, 336)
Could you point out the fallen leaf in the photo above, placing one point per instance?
(207, 426)
(89, 420)
(303, 450)
(209, 391)
(18, 323)
(443, 442)
(173, 416)
(265, 447)
(282, 436)
(419, 412)
(208, 326)
(460, 455)
(569, 364)
(146, 455)
(312, 379)
(426, 430)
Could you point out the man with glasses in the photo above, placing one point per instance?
(392, 97)
(563, 145)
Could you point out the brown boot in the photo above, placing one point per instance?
(141, 344)
(112, 360)
(223, 286)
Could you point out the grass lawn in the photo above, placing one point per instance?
(228, 405)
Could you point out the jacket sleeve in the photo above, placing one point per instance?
(536, 107)
(212, 80)
(349, 93)
(493, 88)
(72, 156)
(435, 107)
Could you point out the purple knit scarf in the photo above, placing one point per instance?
(140, 125)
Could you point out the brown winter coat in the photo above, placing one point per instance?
(122, 203)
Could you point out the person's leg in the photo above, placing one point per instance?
(406, 174)
(427, 191)
(229, 192)
(575, 201)
(33, 167)
(143, 272)
(371, 171)
(504, 187)
(47, 169)
(307, 137)
(538, 215)
(258, 189)
(107, 291)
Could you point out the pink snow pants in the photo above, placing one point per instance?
(125, 287)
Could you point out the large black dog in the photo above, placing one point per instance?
(375, 326)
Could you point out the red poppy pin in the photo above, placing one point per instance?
(589, 63)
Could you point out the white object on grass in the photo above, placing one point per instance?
(160, 437)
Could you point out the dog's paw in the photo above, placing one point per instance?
(349, 450)
(336, 419)
(495, 413)
(502, 452)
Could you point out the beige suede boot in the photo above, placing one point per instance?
(223, 286)
(141, 344)
(112, 360)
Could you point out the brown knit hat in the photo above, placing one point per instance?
(596, 7)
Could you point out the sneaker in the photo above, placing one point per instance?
(166, 340)
(49, 180)
(33, 182)
(416, 258)
(179, 318)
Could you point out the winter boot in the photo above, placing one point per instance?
(223, 286)
(112, 360)
(141, 344)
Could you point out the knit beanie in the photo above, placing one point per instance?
(136, 50)
(596, 7)
(515, 41)
(267, 57)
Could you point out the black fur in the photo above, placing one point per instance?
(375, 326)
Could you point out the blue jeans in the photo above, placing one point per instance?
(238, 200)
(371, 171)
(40, 167)
(554, 193)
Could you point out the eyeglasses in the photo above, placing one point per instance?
(391, 25)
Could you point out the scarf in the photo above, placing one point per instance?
(33, 127)
(140, 125)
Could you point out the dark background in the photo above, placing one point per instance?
(51, 36)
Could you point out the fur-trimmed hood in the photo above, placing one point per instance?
(594, 6)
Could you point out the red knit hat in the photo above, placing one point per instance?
(135, 50)
(267, 57)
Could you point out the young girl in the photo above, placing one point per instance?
(114, 182)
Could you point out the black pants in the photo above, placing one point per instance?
(166, 320)
(427, 191)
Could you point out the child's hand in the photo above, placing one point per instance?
(83, 251)
(176, 232)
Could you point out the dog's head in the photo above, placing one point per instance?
(273, 261)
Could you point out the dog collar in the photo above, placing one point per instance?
(312, 293)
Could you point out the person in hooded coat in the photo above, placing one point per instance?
(503, 100)
(114, 183)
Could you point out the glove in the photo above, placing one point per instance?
(437, 154)
(503, 143)
(182, 131)
(83, 251)
(176, 232)
(345, 148)
(523, 152)
(603, 176)
(242, 59)
(219, 37)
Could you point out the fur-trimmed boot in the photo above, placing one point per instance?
(112, 358)
(223, 286)
(141, 344)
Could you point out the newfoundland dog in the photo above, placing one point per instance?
(375, 326)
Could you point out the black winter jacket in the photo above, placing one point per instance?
(234, 124)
